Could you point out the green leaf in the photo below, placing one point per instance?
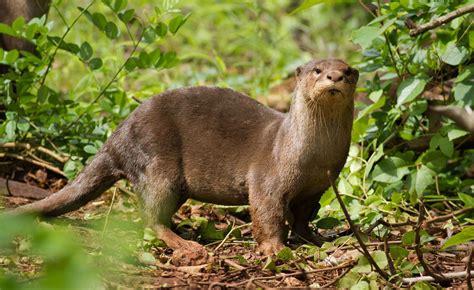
(176, 23)
(270, 264)
(328, 223)
(464, 87)
(409, 89)
(361, 285)
(363, 265)
(111, 30)
(99, 20)
(43, 94)
(154, 56)
(408, 238)
(471, 39)
(306, 5)
(467, 199)
(120, 5)
(149, 35)
(161, 29)
(435, 160)
(10, 129)
(455, 55)
(286, 254)
(90, 149)
(147, 258)
(86, 51)
(455, 133)
(23, 125)
(143, 60)
(127, 15)
(5, 29)
(424, 178)
(390, 170)
(95, 63)
(365, 35)
(398, 252)
(18, 24)
(12, 56)
(464, 236)
(130, 64)
(443, 143)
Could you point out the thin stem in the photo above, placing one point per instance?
(102, 92)
(68, 29)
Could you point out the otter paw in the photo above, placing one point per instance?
(268, 248)
(190, 255)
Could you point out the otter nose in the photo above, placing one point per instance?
(335, 76)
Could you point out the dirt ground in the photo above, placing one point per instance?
(111, 231)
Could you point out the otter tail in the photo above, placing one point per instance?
(98, 176)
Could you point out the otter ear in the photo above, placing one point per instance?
(298, 72)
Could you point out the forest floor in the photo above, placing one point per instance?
(111, 232)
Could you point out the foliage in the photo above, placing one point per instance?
(62, 259)
(87, 74)
(77, 119)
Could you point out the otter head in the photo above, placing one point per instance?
(330, 80)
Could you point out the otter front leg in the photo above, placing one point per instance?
(303, 211)
(268, 220)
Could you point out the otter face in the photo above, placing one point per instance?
(327, 79)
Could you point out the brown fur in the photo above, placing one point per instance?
(217, 145)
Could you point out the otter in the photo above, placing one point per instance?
(220, 146)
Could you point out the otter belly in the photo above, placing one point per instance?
(219, 190)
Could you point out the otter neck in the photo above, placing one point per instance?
(316, 131)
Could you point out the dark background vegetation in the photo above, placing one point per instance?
(408, 182)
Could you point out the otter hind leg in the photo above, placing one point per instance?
(161, 199)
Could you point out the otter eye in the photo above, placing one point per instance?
(348, 72)
(317, 70)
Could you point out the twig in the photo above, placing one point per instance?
(336, 279)
(291, 274)
(381, 221)
(355, 230)
(35, 162)
(368, 10)
(42, 149)
(68, 29)
(450, 275)
(427, 268)
(109, 211)
(228, 235)
(449, 216)
(441, 20)
(234, 264)
(468, 268)
(102, 92)
(386, 249)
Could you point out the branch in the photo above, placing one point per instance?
(441, 20)
(20, 189)
(450, 275)
(449, 216)
(42, 149)
(355, 230)
(35, 162)
(468, 269)
(427, 268)
(463, 117)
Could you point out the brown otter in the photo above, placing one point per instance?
(217, 145)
